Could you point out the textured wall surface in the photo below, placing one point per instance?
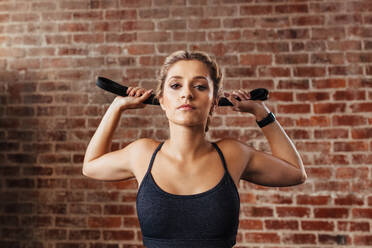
(314, 56)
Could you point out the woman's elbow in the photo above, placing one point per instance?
(303, 178)
(85, 171)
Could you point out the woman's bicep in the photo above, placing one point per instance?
(116, 165)
(268, 170)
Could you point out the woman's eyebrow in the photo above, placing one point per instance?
(196, 77)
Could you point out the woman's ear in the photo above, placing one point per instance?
(161, 101)
(214, 106)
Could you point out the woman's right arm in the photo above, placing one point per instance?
(101, 164)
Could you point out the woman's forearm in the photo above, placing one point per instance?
(281, 145)
(102, 138)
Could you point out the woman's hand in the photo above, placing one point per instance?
(245, 105)
(136, 97)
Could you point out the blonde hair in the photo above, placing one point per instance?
(214, 72)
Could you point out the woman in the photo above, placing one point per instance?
(187, 194)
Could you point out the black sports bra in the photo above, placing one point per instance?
(206, 220)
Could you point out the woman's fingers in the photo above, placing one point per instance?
(238, 94)
(245, 94)
(135, 91)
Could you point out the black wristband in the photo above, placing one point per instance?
(266, 121)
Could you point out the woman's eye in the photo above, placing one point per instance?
(172, 86)
(201, 87)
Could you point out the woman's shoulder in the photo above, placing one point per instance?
(232, 145)
(145, 144)
(237, 154)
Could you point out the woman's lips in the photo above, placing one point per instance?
(186, 107)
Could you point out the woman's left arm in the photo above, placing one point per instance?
(284, 167)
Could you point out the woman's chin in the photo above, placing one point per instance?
(189, 123)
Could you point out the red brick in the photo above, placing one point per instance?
(118, 235)
(274, 47)
(171, 24)
(104, 222)
(364, 240)
(124, 37)
(258, 211)
(204, 23)
(73, 27)
(363, 133)
(309, 71)
(139, 25)
(251, 224)
(293, 211)
(353, 226)
(291, 59)
(298, 8)
(330, 7)
(359, 6)
(313, 200)
(256, 59)
(44, 6)
(331, 213)
(281, 224)
(93, 16)
(348, 120)
(88, 38)
(275, 72)
(153, 36)
(343, 45)
(327, 33)
(222, 35)
(294, 84)
(299, 239)
(273, 22)
(70, 221)
(25, 17)
(334, 239)
(308, 20)
(293, 33)
(321, 173)
(271, 238)
(311, 46)
(345, 70)
(348, 199)
(322, 108)
(314, 97)
(84, 235)
(119, 210)
(331, 133)
(365, 32)
(74, 5)
(126, 14)
(317, 225)
(187, 12)
(362, 213)
(238, 22)
(350, 146)
(256, 10)
(345, 20)
(361, 107)
(327, 58)
(294, 108)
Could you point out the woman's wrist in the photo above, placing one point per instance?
(262, 113)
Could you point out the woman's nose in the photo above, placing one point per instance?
(186, 93)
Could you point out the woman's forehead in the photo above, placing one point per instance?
(188, 68)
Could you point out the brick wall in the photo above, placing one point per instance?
(314, 56)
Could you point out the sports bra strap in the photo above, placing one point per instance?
(153, 157)
(221, 155)
(162, 143)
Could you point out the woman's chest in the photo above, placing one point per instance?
(187, 178)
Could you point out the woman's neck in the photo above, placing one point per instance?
(187, 143)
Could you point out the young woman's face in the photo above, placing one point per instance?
(187, 82)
